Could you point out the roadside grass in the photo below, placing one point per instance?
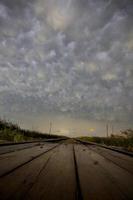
(12, 132)
(119, 141)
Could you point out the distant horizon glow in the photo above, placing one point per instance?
(69, 62)
(71, 127)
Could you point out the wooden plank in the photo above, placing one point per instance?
(15, 185)
(57, 181)
(119, 175)
(55, 176)
(124, 161)
(12, 160)
(11, 148)
(101, 179)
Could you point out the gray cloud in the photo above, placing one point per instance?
(71, 57)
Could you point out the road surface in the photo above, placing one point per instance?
(65, 170)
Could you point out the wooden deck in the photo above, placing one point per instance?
(65, 171)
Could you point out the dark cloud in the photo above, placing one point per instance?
(16, 5)
(71, 57)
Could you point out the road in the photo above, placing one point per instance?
(64, 170)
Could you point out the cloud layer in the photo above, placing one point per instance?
(71, 57)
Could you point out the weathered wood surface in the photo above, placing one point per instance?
(11, 148)
(125, 162)
(11, 161)
(66, 171)
(100, 178)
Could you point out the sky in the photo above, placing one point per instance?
(69, 62)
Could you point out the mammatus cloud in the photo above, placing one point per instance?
(72, 57)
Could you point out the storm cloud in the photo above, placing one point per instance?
(71, 57)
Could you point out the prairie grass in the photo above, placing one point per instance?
(123, 141)
(12, 132)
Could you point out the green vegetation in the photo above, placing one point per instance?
(12, 132)
(124, 140)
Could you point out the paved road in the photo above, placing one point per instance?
(66, 171)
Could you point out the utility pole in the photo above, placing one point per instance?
(107, 130)
(50, 128)
(112, 129)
